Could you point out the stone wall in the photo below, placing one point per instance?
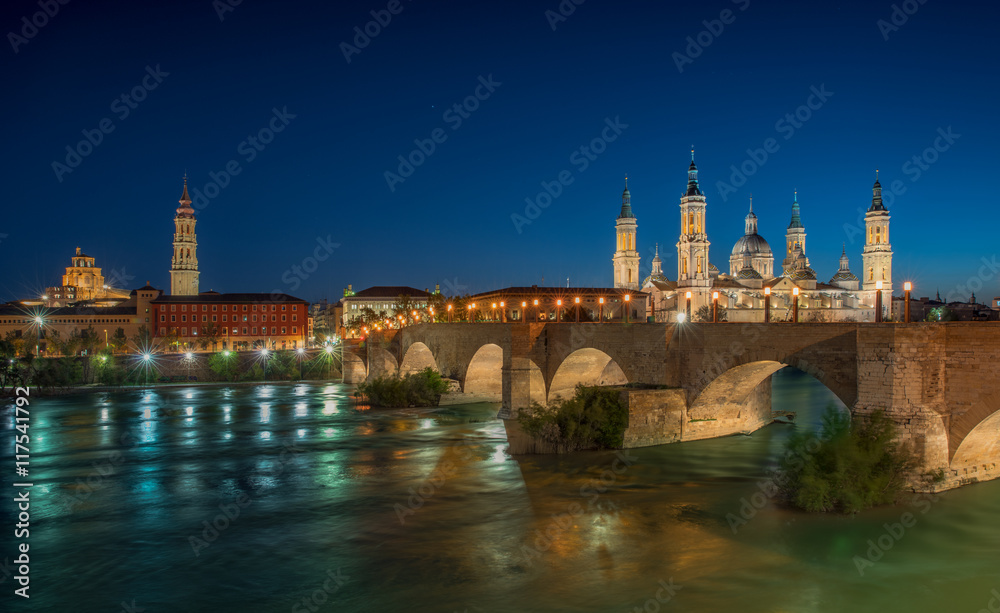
(655, 417)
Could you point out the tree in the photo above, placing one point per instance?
(405, 307)
(845, 469)
(705, 313)
(225, 365)
(118, 340)
(941, 313)
(142, 340)
(209, 335)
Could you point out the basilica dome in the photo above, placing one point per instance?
(755, 243)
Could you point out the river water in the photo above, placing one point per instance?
(332, 508)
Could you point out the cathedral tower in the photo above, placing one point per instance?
(626, 258)
(692, 246)
(184, 265)
(877, 255)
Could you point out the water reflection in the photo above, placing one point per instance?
(424, 510)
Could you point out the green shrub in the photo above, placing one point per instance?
(224, 367)
(594, 418)
(422, 389)
(844, 469)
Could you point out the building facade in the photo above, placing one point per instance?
(213, 321)
(83, 281)
(380, 299)
(41, 324)
(752, 280)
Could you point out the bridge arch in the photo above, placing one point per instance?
(981, 446)
(586, 366)
(484, 374)
(381, 363)
(418, 356)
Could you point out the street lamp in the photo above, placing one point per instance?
(767, 305)
(524, 311)
(600, 310)
(878, 302)
(715, 307)
(795, 305)
(503, 312)
(449, 313)
(263, 352)
(301, 351)
(536, 310)
(906, 308)
(628, 299)
(493, 312)
(577, 301)
(687, 309)
(681, 318)
(469, 308)
(559, 311)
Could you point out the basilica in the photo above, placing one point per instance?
(752, 279)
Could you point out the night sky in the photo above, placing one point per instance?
(889, 92)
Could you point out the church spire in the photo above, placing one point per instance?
(626, 211)
(877, 195)
(185, 210)
(693, 189)
(751, 220)
(796, 218)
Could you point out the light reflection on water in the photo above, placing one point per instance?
(424, 511)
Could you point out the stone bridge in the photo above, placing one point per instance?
(938, 382)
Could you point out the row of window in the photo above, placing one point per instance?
(235, 331)
(204, 318)
(204, 307)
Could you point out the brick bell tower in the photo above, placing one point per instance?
(184, 265)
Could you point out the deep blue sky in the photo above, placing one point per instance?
(450, 222)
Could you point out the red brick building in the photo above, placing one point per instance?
(213, 321)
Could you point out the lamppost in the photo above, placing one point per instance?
(301, 351)
(906, 308)
(767, 305)
(469, 307)
(628, 300)
(577, 301)
(449, 313)
(559, 311)
(687, 308)
(40, 323)
(524, 311)
(105, 337)
(600, 310)
(536, 310)
(878, 302)
(795, 305)
(263, 352)
(715, 307)
(503, 312)
(493, 312)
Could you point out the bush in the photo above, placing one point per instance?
(594, 418)
(845, 469)
(422, 389)
(225, 367)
